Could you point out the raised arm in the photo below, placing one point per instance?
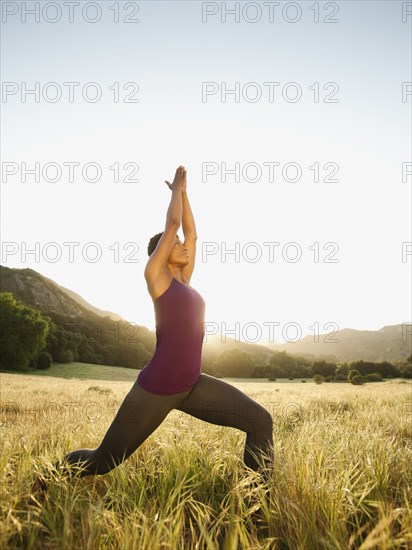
(158, 259)
(188, 221)
(190, 233)
(189, 230)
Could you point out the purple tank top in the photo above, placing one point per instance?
(176, 363)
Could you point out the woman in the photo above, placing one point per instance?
(172, 379)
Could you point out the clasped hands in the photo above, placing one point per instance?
(180, 180)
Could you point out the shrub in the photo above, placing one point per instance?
(358, 380)
(318, 378)
(43, 360)
(303, 381)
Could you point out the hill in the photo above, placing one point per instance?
(88, 334)
(84, 333)
(389, 343)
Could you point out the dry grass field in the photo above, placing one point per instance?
(342, 478)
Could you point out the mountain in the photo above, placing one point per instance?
(77, 298)
(82, 332)
(389, 343)
(38, 291)
(120, 344)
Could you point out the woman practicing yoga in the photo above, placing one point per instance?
(172, 379)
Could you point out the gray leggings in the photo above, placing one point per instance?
(142, 412)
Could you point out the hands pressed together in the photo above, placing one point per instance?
(180, 180)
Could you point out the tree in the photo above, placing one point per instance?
(323, 368)
(342, 370)
(406, 370)
(56, 342)
(281, 364)
(352, 373)
(233, 362)
(260, 371)
(24, 331)
(278, 372)
(66, 356)
(385, 368)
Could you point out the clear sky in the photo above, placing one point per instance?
(319, 134)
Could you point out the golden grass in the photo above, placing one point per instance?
(342, 477)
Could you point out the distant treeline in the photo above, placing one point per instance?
(32, 340)
(282, 366)
(237, 363)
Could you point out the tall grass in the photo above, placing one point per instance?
(342, 476)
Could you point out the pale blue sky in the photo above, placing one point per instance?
(169, 53)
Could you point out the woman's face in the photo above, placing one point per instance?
(178, 254)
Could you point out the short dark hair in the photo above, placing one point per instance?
(153, 243)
